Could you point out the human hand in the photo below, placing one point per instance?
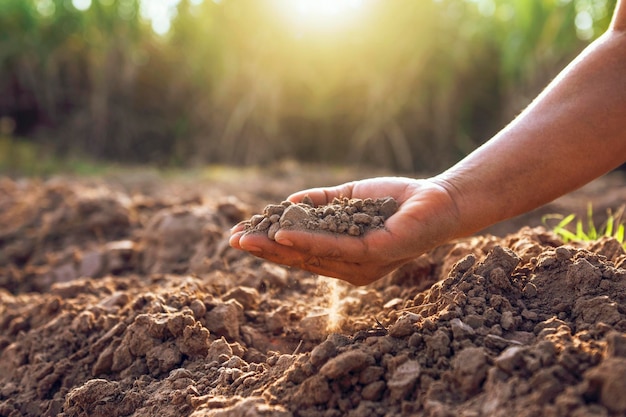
(426, 217)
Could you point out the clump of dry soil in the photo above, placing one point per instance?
(348, 216)
(120, 302)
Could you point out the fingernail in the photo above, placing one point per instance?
(284, 242)
(235, 227)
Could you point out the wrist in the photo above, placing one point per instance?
(461, 222)
(440, 214)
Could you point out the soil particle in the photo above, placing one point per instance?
(606, 382)
(470, 369)
(224, 319)
(403, 379)
(347, 216)
(349, 361)
(616, 345)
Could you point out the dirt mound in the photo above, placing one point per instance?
(173, 322)
(350, 216)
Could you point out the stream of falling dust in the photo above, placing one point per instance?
(333, 292)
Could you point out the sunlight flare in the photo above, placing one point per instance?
(319, 15)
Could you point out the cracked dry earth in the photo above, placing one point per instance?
(125, 302)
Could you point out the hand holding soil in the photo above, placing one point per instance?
(424, 219)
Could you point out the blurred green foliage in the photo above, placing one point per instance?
(408, 85)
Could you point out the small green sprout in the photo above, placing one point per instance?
(587, 230)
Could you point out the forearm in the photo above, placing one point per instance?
(572, 133)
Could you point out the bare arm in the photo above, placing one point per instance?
(572, 133)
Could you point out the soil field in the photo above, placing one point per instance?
(120, 296)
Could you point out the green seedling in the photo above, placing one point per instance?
(572, 229)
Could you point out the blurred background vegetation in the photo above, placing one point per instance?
(399, 84)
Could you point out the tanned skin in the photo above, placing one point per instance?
(572, 133)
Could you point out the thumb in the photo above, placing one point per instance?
(323, 195)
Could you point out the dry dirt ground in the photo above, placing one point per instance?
(121, 297)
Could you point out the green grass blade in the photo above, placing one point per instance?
(580, 232)
(612, 227)
(567, 235)
(592, 233)
(610, 224)
(567, 220)
(619, 233)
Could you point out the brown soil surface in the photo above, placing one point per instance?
(122, 298)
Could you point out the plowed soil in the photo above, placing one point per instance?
(121, 297)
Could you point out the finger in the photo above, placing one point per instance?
(235, 242)
(352, 272)
(268, 249)
(334, 246)
(323, 195)
(238, 227)
(286, 255)
(355, 274)
(321, 244)
(361, 272)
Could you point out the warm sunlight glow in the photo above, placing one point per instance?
(319, 15)
(160, 12)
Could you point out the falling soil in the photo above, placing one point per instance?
(348, 216)
(119, 300)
